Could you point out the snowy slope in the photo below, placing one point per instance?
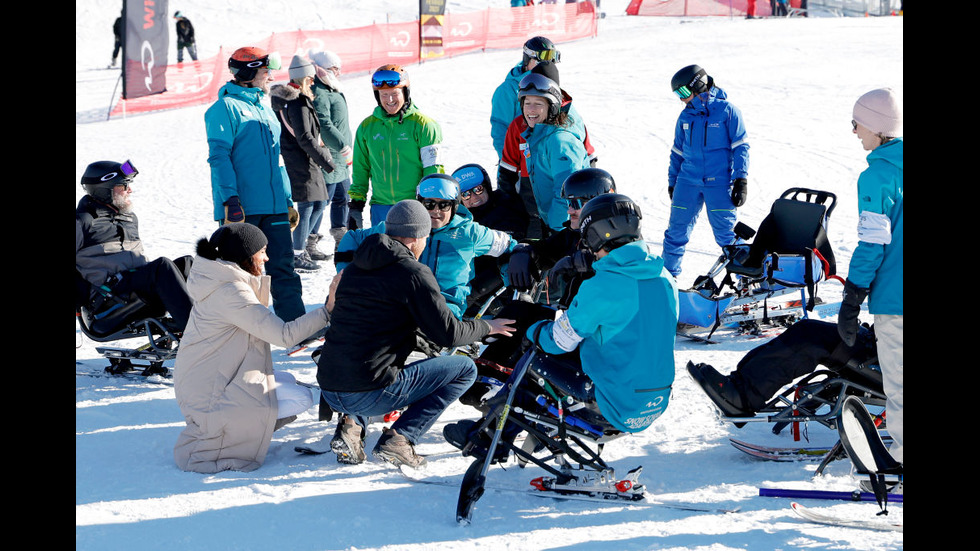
(795, 81)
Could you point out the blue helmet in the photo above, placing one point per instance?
(438, 186)
(471, 175)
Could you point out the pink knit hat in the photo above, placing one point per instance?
(880, 111)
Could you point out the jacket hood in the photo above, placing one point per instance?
(285, 92)
(207, 276)
(700, 102)
(378, 250)
(891, 152)
(633, 260)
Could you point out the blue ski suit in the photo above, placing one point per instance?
(709, 152)
(623, 320)
(450, 253)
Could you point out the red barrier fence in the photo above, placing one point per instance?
(365, 48)
(696, 8)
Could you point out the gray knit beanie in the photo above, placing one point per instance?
(300, 68)
(880, 112)
(408, 218)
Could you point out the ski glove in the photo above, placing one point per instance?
(850, 307)
(739, 191)
(670, 192)
(519, 268)
(578, 263)
(293, 216)
(234, 211)
(356, 219)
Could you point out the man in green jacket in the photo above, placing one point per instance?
(393, 148)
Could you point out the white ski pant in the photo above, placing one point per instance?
(293, 398)
(889, 331)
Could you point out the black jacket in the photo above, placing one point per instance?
(185, 31)
(302, 150)
(384, 295)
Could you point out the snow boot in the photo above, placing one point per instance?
(316, 254)
(397, 450)
(720, 389)
(337, 234)
(302, 263)
(460, 433)
(348, 442)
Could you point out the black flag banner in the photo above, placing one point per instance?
(145, 47)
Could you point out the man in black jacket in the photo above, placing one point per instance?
(384, 295)
(185, 37)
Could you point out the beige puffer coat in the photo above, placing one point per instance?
(223, 375)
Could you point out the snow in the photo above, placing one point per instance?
(795, 81)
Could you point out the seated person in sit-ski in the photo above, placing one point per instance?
(622, 322)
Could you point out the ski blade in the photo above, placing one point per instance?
(820, 518)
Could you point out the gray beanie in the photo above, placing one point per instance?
(300, 68)
(408, 218)
(880, 112)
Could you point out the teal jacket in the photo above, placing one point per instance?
(504, 107)
(450, 253)
(877, 262)
(554, 152)
(623, 321)
(243, 151)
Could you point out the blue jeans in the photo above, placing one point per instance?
(310, 213)
(428, 386)
(338, 203)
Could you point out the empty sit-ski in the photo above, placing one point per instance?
(767, 281)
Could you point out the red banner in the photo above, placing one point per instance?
(365, 48)
(696, 8)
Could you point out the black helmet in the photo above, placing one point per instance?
(535, 84)
(609, 221)
(690, 81)
(587, 183)
(101, 176)
(541, 49)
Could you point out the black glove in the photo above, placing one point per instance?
(233, 210)
(355, 220)
(850, 307)
(739, 191)
(578, 263)
(520, 267)
(670, 192)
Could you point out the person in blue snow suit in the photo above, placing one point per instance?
(876, 268)
(709, 164)
(504, 104)
(248, 183)
(555, 146)
(618, 332)
(455, 242)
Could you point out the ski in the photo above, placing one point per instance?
(789, 453)
(856, 495)
(820, 518)
(644, 501)
(135, 375)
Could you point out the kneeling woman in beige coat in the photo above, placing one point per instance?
(223, 376)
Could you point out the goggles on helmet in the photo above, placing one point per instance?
(544, 55)
(684, 92)
(386, 79)
(272, 61)
(128, 169)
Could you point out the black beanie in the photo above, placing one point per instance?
(237, 242)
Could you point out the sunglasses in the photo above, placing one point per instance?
(577, 202)
(854, 124)
(386, 79)
(432, 204)
(544, 55)
(478, 190)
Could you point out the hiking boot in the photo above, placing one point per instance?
(303, 263)
(337, 234)
(348, 442)
(397, 450)
(316, 254)
(459, 435)
(721, 390)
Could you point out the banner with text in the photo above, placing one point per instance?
(145, 47)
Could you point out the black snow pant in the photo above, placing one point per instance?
(162, 285)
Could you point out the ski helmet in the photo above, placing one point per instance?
(245, 63)
(438, 188)
(535, 84)
(690, 81)
(609, 221)
(582, 185)
(391, 76)
(541, 49)
(471, 175)
(101, 177)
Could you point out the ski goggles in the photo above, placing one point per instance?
(577, 203)
(128, 169)
(538, 83)
(544, 55)
(432, 204)
(386, 79)
(273, 61)
(478, 190)
(684, 92)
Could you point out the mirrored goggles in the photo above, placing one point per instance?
(432, 204)
(684, 92)
(577, 203)
(478, 190)
(386, 79)
(128, 169)
(273, 61)
(543, 55)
